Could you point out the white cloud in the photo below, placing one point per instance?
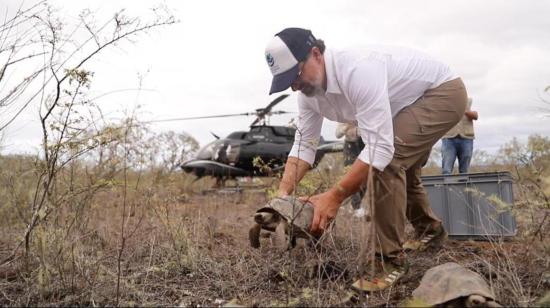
(212, 61)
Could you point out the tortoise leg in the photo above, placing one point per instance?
(279, 238)
(254, 235)
(290, 237)
(292, 241)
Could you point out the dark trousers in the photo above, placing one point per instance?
(351, 152)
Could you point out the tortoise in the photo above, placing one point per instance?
(451, 285)
(286, 214)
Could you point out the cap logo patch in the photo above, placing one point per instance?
(269, 59)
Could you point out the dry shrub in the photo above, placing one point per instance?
(183, 247)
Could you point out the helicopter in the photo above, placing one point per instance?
(259, 152)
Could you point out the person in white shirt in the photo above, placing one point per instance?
(402, 101)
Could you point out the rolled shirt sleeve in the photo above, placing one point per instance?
(308, 132)
(367, 89)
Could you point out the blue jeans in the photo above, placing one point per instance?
(453, 148)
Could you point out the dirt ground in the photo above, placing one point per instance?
(343, 251)
(194, 251)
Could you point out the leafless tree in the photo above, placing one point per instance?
(170, 149)
(56, 54)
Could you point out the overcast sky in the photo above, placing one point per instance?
(212, 61)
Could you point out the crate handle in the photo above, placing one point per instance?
(456, 179)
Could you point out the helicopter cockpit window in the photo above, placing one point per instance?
(284, 131)
(271, 134)
(237, 135)
(260, 133)
(257, 129)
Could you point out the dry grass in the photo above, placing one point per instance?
(196, 252)
(182, 247)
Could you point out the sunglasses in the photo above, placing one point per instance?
(298, 79)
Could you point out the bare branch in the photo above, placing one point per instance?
(63, 138)
(120, 33)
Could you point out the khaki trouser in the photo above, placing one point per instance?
(398, 190)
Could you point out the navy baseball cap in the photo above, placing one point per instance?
(283, 53)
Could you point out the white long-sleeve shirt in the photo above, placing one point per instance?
(367, 87)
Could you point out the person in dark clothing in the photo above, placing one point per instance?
(353, 145)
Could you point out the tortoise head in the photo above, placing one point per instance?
(267, 217)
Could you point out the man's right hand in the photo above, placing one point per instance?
(326, 207)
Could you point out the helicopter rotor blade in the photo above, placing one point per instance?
(281, 112)
(255, 121)
(274, 102)
(271, 113)
(215, 136)
(203, 117)
(262, 112)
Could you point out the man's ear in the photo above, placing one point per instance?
(316, 53)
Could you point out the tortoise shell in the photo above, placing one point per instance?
(450, 281)
(295, 212)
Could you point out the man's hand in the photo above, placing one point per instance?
(325, 207)
(472, 115)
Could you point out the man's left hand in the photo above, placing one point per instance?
(325, 207)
